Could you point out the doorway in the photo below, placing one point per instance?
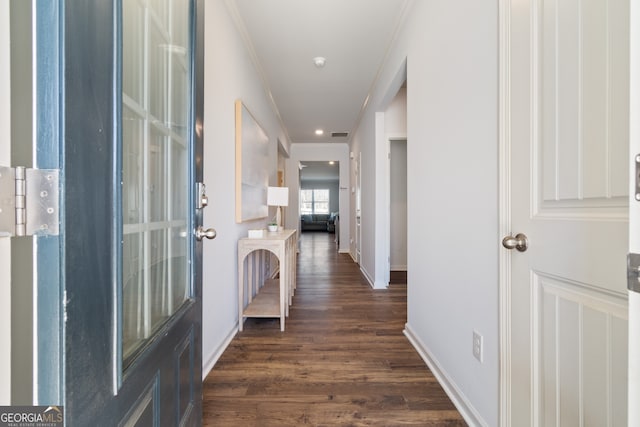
(391, 128)
(398, 210)
(320, 197)
(304, 153)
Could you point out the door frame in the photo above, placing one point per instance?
(383, 203)
(634, 210)
(504, 212)
(5, 243)
(30, 122)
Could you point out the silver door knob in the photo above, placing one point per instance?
(519, 242)
(201, 233)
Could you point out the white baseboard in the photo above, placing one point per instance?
(353, 257)
(345, 251)
(380, 285)
(208, 365)
(366, 276)
(374, 284)
(398, 268)
(462, 404)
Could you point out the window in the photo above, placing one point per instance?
(155, 168)
(314, 201)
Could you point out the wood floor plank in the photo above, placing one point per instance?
(342, 360)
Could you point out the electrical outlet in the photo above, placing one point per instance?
(477, 346)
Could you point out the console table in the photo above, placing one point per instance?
(266, 298)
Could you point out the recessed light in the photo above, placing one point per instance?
(319, 61)
(319, 132)
(332, 162)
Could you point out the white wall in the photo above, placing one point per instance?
(449, 49)
(230, 75)
(314, 151)
(367, 171)
(5, 246)
(395, 115)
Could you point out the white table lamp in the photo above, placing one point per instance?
(278, 196)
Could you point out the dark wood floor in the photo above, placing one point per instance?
(398, 278)
(342, 360)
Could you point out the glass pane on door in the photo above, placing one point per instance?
(155, 191)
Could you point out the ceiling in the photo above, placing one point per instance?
(284, 36)
(319, 171)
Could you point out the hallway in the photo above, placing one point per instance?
(342, 360)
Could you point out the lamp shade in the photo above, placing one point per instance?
(278, 196)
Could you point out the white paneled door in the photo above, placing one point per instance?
(565, 122)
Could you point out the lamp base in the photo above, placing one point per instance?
(279, 218)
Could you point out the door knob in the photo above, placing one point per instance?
(519, 242)
(201, 233)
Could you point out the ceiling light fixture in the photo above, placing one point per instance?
(319, 61)
(319, 132)
(332, 162)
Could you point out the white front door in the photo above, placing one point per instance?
(565, 122)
